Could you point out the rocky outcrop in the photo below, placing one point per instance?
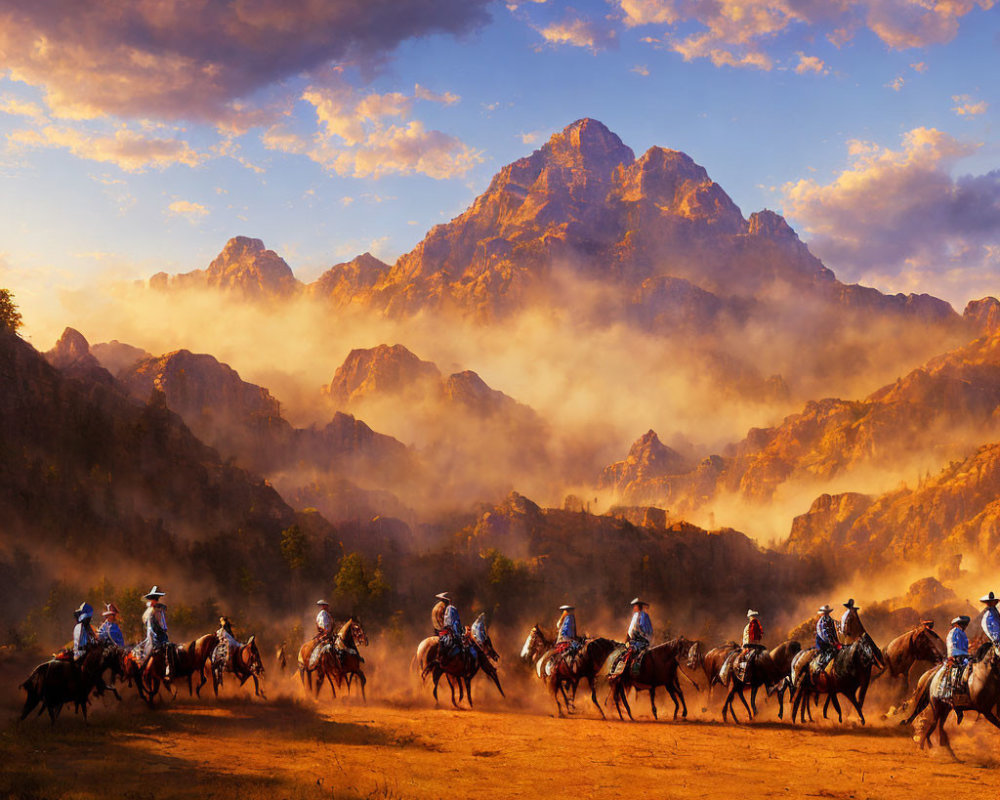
(350, 278)
(71, 356)
(382, 370)
(983, 316)
(244, 267)
(648, 460)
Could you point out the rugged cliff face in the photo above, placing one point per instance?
(935, 413)
(954, 513)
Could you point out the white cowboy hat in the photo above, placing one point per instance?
(110, 610)
(961, 619)
(83, 612)
(567, 608)
(989, 598)
(637, 602)
(824, 609)
(154, 592)
(322, 603)
(752, 613)
(443, 596)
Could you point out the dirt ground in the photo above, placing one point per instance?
(400, 746)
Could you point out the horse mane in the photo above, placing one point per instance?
(346, 627)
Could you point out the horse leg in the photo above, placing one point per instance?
(593, 695)
(832, 698)
(363, 680)
(743, 699)
(618, 707)
(857, 706)
(753, 701)
(728, 704)
(652, 702)
(468, 689)
(437, 677)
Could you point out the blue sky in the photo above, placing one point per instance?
(113, 169)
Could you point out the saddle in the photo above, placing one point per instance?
(954, 686)
(743, 661)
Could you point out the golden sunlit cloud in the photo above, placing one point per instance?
(126, 149)
(968, 107)
(810, 64)
(578, 32)
(185, 209)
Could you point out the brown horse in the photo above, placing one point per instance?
(984, 692)
(57, 682)
(463, 667)
(565, 669)
(848, 674)
(919, 645)
(244, 662)
(768, 669)
(156, 671)
(191, 660)
(658, 667)
(341, 660)
(712, 661)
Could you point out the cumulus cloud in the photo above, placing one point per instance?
(641, 69)
(174, 59)
(125, 148)
(897, 218)
(369, 135)
(810, 64)
(896, 83)
(578, 32)
(738, 32)
(16, 107)
(967, 106)
(185, 209)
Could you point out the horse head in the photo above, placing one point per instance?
(696, 655)
(358, 633)
(534, 645)
(927, 645)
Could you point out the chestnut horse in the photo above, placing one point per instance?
(342, 660)
(57, 682)
(713, 660)
(191, 660)
(984, 692)
(658, 667)
(921, 644)
(767, 669)
(244, 662)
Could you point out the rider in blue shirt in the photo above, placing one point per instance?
(109, 632)
(990, 620)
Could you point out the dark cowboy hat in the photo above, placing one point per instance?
(83, 612)
(849, 603)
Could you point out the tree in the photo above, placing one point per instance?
(10, 318)
(294, 547)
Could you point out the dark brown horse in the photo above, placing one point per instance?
(658, 667)
(984, 692)
(919, 646)
(57, 682)
(191, 660)
(849, 674)
(341, 660)
(566, 669)
(463, 667)
(767, 669)
(244, 662)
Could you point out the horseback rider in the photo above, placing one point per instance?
(990, 621)
(109, 632)
(827, 641)
(566, 638)
(225, 650)
(324, 622)
(83, 632)
(450, 630)
(154, 618)
(958, 656)
(851, 628)
(637, 638)
(753, 633)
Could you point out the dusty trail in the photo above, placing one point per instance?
(295, 748)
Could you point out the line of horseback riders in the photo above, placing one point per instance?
(78, 669)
